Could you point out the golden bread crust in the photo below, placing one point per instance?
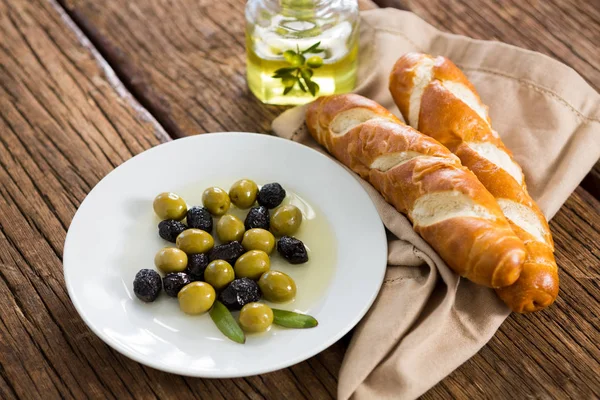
(447, 117)
(484, 250)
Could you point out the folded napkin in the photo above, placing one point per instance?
(427, 321)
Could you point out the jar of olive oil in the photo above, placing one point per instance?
(300, 49)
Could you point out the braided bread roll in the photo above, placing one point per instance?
(446, 203)
(435, 97)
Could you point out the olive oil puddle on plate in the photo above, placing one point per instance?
(312, 278)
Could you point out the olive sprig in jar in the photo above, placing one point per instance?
(301, 70)
(297, 49)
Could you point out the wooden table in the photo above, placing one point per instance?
(85, 85)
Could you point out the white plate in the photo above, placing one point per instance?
(114, 234)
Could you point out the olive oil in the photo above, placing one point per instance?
(299, 49)
(312, 278)
(338, 76)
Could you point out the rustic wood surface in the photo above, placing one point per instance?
(65, 124)
(67, 121)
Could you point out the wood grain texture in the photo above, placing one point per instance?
(102, 27)
(190, 72)
(567, 30)
(206, 41)
(66, 122)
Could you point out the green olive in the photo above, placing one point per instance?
(230, 228)
(169, 206)
(243, 193)
(170, 259)
(297, 60)
(258, 239)
(277, 286)
(216, 200)
(256, 317)
(219, 274)
(194, 241)
(314, 62)
(252, 264)
(286, 220)
(196, 298)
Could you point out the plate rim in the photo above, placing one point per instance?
(219, 374)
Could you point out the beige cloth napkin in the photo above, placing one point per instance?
(427, 321)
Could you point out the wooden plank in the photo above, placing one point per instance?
(65, 122)
(198, 50)
(201, 49)
(206, 41)
(184, 71)
(567, 30)
(591, 183)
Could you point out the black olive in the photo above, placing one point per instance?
(147, 285)
(239, 293)
(174, 282)
(200, 218)
(258, 217)
(271, 195)
(292, 250)
(229, 252)
(196, 265)
(169, 229)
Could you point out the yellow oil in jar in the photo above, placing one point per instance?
(334, 76)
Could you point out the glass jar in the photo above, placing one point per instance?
(300, 49)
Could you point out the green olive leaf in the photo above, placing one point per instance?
(289, 81)
(287, 89)
(283, 75)
(306, 73)
(313, 87)
(285, 70)
(301, 86)
(290, 319)
(226, 323)
(298, 61)
(313, 48)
